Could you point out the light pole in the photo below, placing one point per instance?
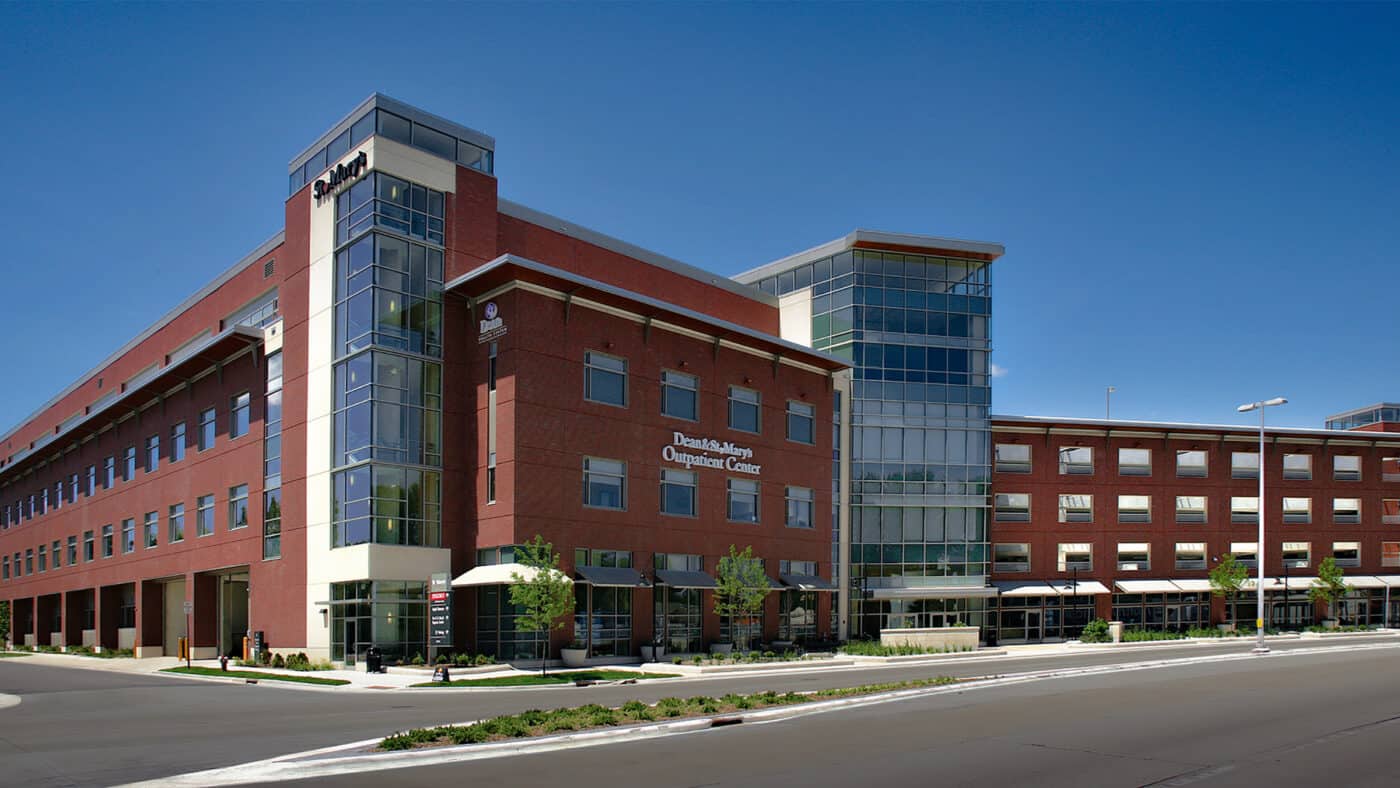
(1108, 401)
(1259, 647)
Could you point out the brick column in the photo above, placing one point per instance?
(203, 591)
(74, 602)
(150, 603)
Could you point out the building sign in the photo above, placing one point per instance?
(494, 326)
(440, 611)
(342, 174)
(693, 452)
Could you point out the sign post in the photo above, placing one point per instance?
(439, 614)
(189, 633)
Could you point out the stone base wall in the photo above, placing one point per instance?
(938, 638)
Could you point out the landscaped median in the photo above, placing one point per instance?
(534, 723)
(536, 680)
(12, 654)
(256, 675)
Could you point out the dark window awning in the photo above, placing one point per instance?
(612, 577)
(808, 583)
(679, 578)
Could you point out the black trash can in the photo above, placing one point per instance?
(374, 663)
(991, 638)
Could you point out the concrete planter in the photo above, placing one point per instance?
(574, 657)
(1329, 623)
(1225, 627)
(721, 648)
(653, 653)
(934, 638)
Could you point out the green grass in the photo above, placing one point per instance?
(255, 674)
(536, 680)
(13, 654)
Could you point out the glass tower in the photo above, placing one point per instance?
(916, 328)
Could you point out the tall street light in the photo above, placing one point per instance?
(1108, 401)
(1259, 647)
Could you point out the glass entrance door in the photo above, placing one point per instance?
(352, 646)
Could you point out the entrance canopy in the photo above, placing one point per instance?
(807, 583)
(496, 575)
(934, 592)
(612, 577)
(680, 578)
(1041, 588)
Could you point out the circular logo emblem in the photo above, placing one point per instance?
(491, 310)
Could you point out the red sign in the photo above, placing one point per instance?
(438, 596)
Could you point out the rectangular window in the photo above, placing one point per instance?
(1134, 462)
(1245, 553)
(1390, 511)
(207, 428)
(799, 507)
(1013, 458)
(801, 422)
(29, 561)
(272, 523)
(239, 410)
(1190, 555)
(491, 484)
(743, 501)
(1076, 508)
(1346, 510)
(605, 379)
(678, 492)
(1076, 460)
(1191, 464)
(1011, 557)
(152, 453)
(108, 542)
(175, 524)
(1012, 508)
(1346, 468)
(1297, 555)
(1347, 554)
(43, 559)
(58, 495)
(1297, 467)
(73, 482)
(1244, 465)
(150, 528)
(604, 483)
(129, 464)
(91, 480)
(56, 553)
(1390, 554)
(680, 395)
(1078, 556)
(1134, 557)
(203, 515)
(89, 545)
(177, 442)
(1190, 508)
(109, 467)
(744, 409)
(5, 567)
(491, 366)
(1134, 508)
(1390, 469)
(237, 507)
(129, 535)
(72, 550)
(1244, 509)
(1297, 510)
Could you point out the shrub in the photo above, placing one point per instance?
(278, 661)
(1095, 631)
(418, 659)
(675, 660)
(1145, 635)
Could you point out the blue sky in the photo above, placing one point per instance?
(1198, 202)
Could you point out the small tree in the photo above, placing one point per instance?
(4, 621)
(546, 596)
(1227, 579)
(1329, 586)
(741, 586)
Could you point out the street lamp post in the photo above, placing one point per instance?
(1108, 402)
(1259, 647)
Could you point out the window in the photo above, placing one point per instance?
(43, 559)
(237, 507)
(743, 501)
(1244, 509)
(149, 528)
(799, 507)
(1190, 508)
(206, 429)
(1297, 555)
(129, 535)
(108, 545)
(272, 523)
(1346, 510)
(743, 409)
(1346, 468)
(1075, 556)
(152, 453)
(177, 442)
(1390, 554)
(1346, 554)
(1134, 557)
(1013, 458)
(1076, 460)
(175, 520)
(29, 560)
(1297, 466)
(1012, 508)
(129, 464)
(73, 550)
(5, 567)
(680, 395)
(239, 409)
(604, 483)
(1191, 464)
(1190, 555)
(89, 543)
(1134, 508)
(203, 515)
(109, 467)
(605, 379)
(73, 482)
(1134, 462)
(1390, 469)
(1297, 510)
(491, 366)
(1076, 508)
(491, 483)
(678, 492)
(801, 422)
(386, 201)
(1011, 557)
(1390, 511)
(1245, 553)
(56, 553)
(1244, 465)
(91, 480)
(58, 495)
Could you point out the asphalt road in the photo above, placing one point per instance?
(89, 727)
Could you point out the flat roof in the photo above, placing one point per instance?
(1367, 409)
(858, 236)
(1183, 426)
(380, 101)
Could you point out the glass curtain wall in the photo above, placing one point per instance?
(917, 329)
(390, 614)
